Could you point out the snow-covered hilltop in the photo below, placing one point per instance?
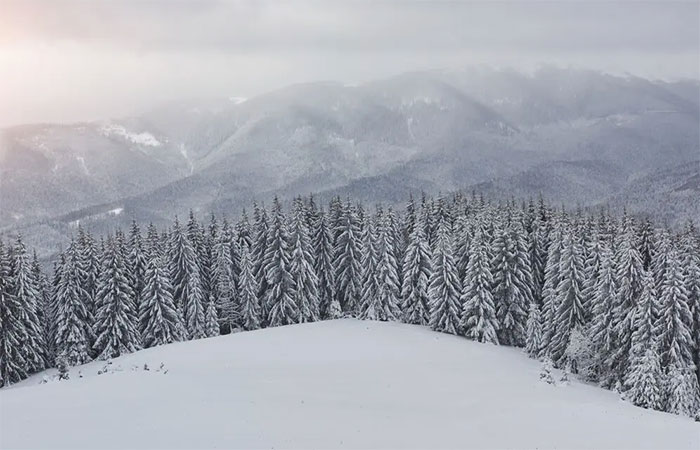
(333, 384)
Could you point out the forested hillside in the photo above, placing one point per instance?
(607, 298)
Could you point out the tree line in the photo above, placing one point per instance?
(613, 299)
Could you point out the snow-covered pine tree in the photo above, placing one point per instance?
(223, 286)
(301, 266)
(370, 307)
(511, 284)
(248, 293)
(322, 240)
(280, 301)
(551, 282)
(26, 294)
(45, 311)
(601, 329)
(533, 338)
(478, 319)
(681, 390)
(417, 270)
(261, 233)
(591, 271)
(89, 261)
(347, 260)
(445, 287)
(537, 250)
(136, 263)
(675, 320)
(690, 245)
(644, 377)
(203, 256)
(570, 313)
(184, 270)
(659, 257)
(115, 320)
(386, 269)
(628, 276)
(160, 322)
(13, 365)
(211, 319)
(73, 332)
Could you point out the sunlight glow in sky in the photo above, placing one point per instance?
(69, 60)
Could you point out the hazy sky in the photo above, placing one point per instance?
(81, 60)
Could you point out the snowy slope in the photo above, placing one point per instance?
(337, 384)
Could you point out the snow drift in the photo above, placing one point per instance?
(334, 384)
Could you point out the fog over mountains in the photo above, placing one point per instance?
(577, 137)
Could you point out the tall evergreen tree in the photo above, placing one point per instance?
(601, 327)
(445, 287)
(570, 313)
(511, 285)
(248, 289)
(116, 318)
(223, 285)
(185, 273)
(417, 270)
(160, 322)
(301, 266)
(629, 269)
(26, 293)
(280, 300)
(13, 363)
(533, 338)
(73, 332)
(322, 240)
(348, 253)
(644, 377)
(478, 310)
(136, 263)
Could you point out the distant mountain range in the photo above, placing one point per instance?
(577, 137)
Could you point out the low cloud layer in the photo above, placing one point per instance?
(80, 60)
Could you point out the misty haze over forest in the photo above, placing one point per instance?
(349, 224)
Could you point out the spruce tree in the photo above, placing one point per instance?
(322, 239)
(370, 306)
(13, 334)
(185, 273)
(417, 270)
(160, 322)
(533, 338)
(73, 332)
(259, 251)
(629, 269)
(26, 293)
(301, 266)
(511, 285)
(115, 320)
(388, 267)
(601, 327)
(675, 320)
(551, 283)
(136, 263)
(280, 300)
(223, 286)
(248, 292)
(570, 313)
(644, 377)
(347, 261)
(445, 287)
(478, 320)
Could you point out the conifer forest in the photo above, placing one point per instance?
(607, 297)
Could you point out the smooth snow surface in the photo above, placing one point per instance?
(146, 139)
(336, 384)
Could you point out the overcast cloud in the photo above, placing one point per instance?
(82, 60)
